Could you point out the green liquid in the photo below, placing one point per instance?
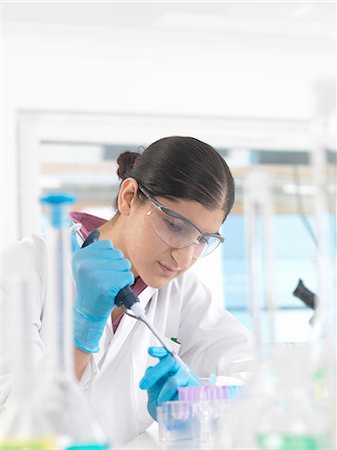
(48, 444)
(274, 441)
(38, 444)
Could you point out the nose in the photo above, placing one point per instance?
(184, 257)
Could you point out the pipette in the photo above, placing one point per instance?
(140, 315)
(126, 299)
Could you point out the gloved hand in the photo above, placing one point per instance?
(162, 380)
(100, 271)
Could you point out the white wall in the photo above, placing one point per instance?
(78, 68)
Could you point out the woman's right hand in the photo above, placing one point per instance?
(100, 271)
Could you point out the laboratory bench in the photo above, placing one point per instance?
(149, 440)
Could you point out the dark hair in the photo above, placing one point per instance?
(184, 168)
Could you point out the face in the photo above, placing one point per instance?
(152, 259)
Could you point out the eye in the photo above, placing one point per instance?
(173, 226)
(203, 240)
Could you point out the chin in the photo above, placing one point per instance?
(155, 282)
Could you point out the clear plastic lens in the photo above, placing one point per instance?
(208, 247)
(179, 234)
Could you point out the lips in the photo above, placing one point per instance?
(168, 270)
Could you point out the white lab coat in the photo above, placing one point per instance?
(211, 341)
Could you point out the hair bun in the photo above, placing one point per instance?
(125, 163)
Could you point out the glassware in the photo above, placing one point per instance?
(280, 410)
(294, 421)
(175, 421)
(208, 393)
(18, 426)
(324, 320)
(62, 405)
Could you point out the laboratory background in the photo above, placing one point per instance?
(84, 81)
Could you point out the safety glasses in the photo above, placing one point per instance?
(177, 231)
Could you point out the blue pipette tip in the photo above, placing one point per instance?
(57, 202)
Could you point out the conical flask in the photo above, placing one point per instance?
(63, 406)
(19, 430)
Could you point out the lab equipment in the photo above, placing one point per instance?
(62, 405)
(207, 393)
(164, 379)
(139, 312)
(260, 244)
(293, 421)
(194, 422)
(18, 422)
(176, 421)
(100, 271)
(279, 410)
(304, 294)
(324, 320)
(91, 238)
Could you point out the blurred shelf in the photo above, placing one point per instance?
(304, 172)
(104, 167)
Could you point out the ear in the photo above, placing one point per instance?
(127, 195)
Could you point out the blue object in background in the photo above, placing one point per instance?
(57, 202)
(295, 255)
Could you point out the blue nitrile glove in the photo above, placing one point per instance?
(100, 271)
(163, 380)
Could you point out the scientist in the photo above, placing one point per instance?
(172, 201)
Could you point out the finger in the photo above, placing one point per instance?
(143, 381)
(157, 352)
(105, 252)
(120, 265)
(153, 398)
(126, 279)
(170, 389)
(166, 367)
(103, 245)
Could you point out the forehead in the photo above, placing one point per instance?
(206, 219)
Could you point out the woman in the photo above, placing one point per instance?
(171, 203)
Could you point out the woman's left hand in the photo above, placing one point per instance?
(163, 380)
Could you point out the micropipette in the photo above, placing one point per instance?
(140, 315)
